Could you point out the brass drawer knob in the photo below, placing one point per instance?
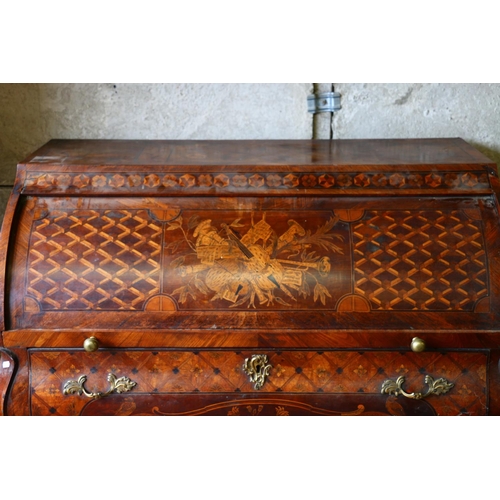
(91, 344)
(417, 345)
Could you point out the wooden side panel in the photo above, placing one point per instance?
(5, 241)
(18, 402)
(7, 370)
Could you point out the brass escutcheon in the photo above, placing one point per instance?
(257, 368)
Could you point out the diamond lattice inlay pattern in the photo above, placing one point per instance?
(420, 260)
(94, 260)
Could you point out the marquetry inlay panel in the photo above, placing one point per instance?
(420, 260)
(138, 259)
(256, 260)
(93, 259)
(293, 372)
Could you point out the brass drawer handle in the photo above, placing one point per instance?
(437, 387)
(417, 345)
(118, 385)
(257, 369)
(91, 344)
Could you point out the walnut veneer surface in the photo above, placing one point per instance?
(356, 277)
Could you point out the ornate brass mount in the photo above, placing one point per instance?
(118, 385)
(257, 368)
(437, 387)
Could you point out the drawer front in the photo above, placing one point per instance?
(331, 382)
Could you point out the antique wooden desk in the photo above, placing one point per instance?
(352, 277)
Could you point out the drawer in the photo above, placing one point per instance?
(227, 382)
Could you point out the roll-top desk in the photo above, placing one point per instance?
(355, 277)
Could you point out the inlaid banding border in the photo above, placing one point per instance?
(248, 181)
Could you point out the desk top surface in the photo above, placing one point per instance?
(453, 151)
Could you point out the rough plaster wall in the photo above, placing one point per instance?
(402, 110)
(176, 111)
(20, 126)
(31, 114)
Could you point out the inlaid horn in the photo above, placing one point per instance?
(322, 266)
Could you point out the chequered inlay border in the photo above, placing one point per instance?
(257, 181)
